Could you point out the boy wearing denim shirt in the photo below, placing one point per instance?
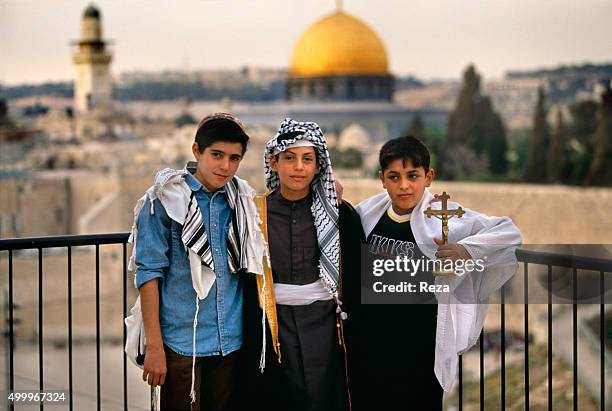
(190, 246)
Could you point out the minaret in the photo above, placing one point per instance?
(93, 86)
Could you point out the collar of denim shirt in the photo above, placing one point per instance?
(195, 185)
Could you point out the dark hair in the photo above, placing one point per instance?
(220, 127)
(405, 148)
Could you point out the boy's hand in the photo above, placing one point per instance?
(453, 251)
(339, 190)
(155, 366)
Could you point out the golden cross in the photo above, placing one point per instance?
(338, 5)
(444, 214)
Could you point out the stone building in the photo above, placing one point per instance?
(93, 84)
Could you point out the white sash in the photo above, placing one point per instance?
(290, 294)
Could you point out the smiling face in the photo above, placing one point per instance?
(218, 163)
(405, 184)
(296, 168)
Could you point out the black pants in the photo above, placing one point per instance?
(398, 393)
(217, 382)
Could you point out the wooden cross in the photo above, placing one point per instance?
(444, 214)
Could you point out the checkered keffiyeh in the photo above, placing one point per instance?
(324, 198)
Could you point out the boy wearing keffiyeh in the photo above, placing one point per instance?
(309, 237)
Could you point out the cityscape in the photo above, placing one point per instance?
(78, 151)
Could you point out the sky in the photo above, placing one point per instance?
(424, 38)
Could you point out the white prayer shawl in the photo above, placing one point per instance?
(462, 312)
(173, 192)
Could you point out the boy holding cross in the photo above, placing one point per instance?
(405, 355)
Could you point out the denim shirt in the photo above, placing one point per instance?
(160, 253)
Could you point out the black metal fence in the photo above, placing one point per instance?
(68, 242)
(548, 260)
(526, 257)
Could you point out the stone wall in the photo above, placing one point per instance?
(50, 203)
(544, 214)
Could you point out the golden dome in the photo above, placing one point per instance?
(338, 44)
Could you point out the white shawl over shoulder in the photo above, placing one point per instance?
(462, 312)
(173, 192)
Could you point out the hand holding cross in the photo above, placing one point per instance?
(444, 214)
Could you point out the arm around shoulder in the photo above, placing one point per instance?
(350, 223)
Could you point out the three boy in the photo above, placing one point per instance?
(197, 238)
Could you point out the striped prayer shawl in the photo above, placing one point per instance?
(194, 234)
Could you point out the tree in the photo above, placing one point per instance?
(557, 157)
(349, 158)
(584, 119)
(536, 168)
(582, 130)
(5, 120)
(493, 140)
(184, 119)
(476, 126)
(601, 167)
(463, 121)
(417, 128)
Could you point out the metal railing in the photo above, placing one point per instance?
(549, 260)
(526, 257)
(68, 242)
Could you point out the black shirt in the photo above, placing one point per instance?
(390, 238)
(398, 338)
(291, 228)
